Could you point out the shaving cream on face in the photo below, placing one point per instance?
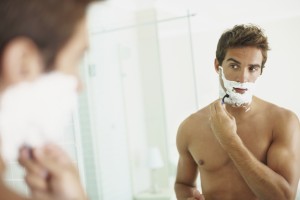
(235, 99)
(34, 113)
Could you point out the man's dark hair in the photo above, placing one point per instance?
(48, 23)
(242, 36)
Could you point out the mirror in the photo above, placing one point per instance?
(155, 72)
(145, 72)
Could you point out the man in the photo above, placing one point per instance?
(243, 147)
(38, 37)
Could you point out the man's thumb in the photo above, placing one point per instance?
(198, 195)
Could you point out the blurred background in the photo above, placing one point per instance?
(149, 66)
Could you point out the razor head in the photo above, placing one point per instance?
(225, 96)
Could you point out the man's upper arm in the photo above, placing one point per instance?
(187, 169)
(284, 152)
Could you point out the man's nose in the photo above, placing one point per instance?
(243, 76)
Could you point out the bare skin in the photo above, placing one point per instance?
(51, 174)
(240, 155)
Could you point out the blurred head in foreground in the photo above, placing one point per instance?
(41, 45)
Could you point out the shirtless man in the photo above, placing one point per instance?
(244, 147)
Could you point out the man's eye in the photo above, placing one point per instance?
(234, 66)
(253, 69)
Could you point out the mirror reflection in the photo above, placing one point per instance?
(148, 68)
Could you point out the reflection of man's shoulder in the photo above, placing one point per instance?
(278, 115)
(196, 121)
(277, 110)
(272, 108)
(199, 117)
(284, 114)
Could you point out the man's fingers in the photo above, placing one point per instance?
(2, 166)
(197, 195)
(221, 109)
(58, 154)
(38, 195)
(36, 183)
(53, 159)
(28, 163)
(216, 111)
(212, 110)
(217, 108)
(47, 162)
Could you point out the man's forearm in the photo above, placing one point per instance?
(8, 194)
(264, 182)
(183, 191)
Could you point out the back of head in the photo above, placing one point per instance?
(49, 24)
(242, 36)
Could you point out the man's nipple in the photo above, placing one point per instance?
(200, 162)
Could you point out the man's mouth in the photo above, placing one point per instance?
(240, 90)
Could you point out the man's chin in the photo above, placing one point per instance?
(243, 106)
(234, 102)
(239, 105)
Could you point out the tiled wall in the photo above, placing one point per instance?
(88, 156)
(14, 177)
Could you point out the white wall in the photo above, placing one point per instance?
(181, 50)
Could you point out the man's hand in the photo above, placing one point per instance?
(196, 196)
(2, 164)
(2, 167)
(223, 124)
(51, 174)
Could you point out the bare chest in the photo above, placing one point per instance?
(210, 156)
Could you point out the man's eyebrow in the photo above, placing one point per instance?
(251, 65)
(255, 65)
(233, 60)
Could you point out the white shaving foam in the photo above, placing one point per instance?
(236, 99)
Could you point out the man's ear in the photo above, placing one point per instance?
(21, 61)
(217, 65)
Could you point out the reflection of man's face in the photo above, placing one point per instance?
(242, 64)
(36, 111)
(67, 60)
(240, 69)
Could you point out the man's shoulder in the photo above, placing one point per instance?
(193, 126)
(195, 121)
(274, 109)
(285, 123)
(197, 116)
(279, 115)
